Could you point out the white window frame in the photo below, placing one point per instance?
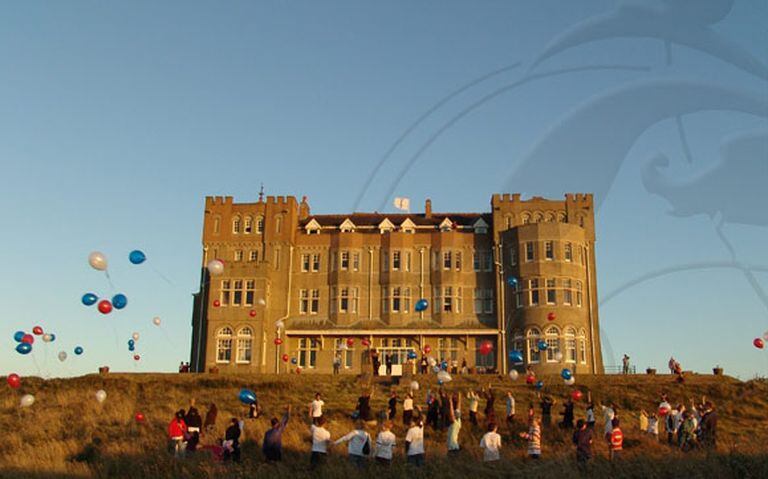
(530, 252)
(552, 337)
(244, 345)
(224, 345)
(551, 290)
(532, 354)
(549, 250)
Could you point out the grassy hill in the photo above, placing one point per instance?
(66, 421)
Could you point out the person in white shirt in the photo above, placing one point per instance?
(454, 423)
(609, 412)
(321, 438)
(491, 443)
(385, 444)
(407, 409)
(359, 444)
(316, 409)
(653, 425)
(414, 443)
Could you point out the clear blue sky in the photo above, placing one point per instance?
(118, 118)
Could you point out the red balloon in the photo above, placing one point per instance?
(37, 330)
(298, 370)
(285, 358)
(663, 411)
(252, 313)
(350, 342)
(14, 381)
(530, 379)
(278, 341)
(576, 395)
(139, 417)
(105, 307)
(28, 338)
(551, 316)
(136, 357)
(216, 303)
(759, 343)
(365, 342)
(486, 347)
(427, 349)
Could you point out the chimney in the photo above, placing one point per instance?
(303, 209)
(428, 208)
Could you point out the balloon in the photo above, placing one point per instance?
(89, 299)
(444, 365)
(566, 374)
(78, 350)
(131, 342)
(542, 345)
(436, 369)
(105, 307)
(137, 256)
(558, 356)
(156, 321)
(279, 324)
(486, 347)
(135, 336)
(247, 396)
(576, 395)
(343, 346)
(215, 267)
(131, 348)
(539, 385)
(412, 355)
(365, 342)
(551, 316)
(439, 382)
(101, 395)
(298, 370)
(285, 358)
(759, 343)
(18, 336)
(765, 335)
(216, 303)
(444, 376)
(252, 313)
(28, 338)
(513, 375)
(278, 341)
(23, 348)
(27, 400)
(663, 411)
(432, 362)
(512, 281)
(139, 417)
(414, 385)
(136, 357)
(294, 361)
(530, 379)
(427, 349)
(570, 382)
(53, 337)
(97, 260)
(421, 305)
(62, 356)
(119, 301)
(350, 342)
(262, 302)
(516, 356)
(47, 338)
(14, 381)
(37, 330)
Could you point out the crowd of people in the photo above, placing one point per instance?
(442, 413)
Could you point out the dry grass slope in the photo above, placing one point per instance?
(43, 440)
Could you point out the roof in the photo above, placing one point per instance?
(374, 219)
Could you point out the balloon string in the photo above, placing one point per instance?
(109, 280)
(168, 338)
(163, 277)
(34, 360)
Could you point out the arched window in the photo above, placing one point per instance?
(224, 345)
(244, 345)
(582, 347)
(510, 221)
(581, 220)
(248, 225)
(518, 344)
(259, 224)
(561, 217)
(236, 225)
(551, 217)
(538, 217)
(526, 218)
(533, 345)
(553, 343)
(570, 345)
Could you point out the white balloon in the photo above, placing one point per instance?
(765, 335)
(570, 382)
(432, 361)
(558, 356)
(513, 375)
(343, 346)
(279, 325)
(135, 336)
(444, 376)
(101, 395)
(262, 302)
(62, 356)
(414, 385)
(47, 338)
(215, 267)
(156, 321)
(97, 260)
(27, 400)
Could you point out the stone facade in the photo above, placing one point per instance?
(298, 286)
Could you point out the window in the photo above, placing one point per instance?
(344, 260)
(385, 307)
(579, 293)
(277, 258)
(447, 349)
(553, 344)
(487, 361)
(549, 250)
(226, 292)
(353, 299)
(436, 300)
(568, 252)
(447, 299)
(254, 256)
(344, 300)
(482, 260)
(305, 262)
(538, 217)
(567, 291)
(479, 300)
(483, 301)
(303, 301)
(244, 345)
(406, 300)
(529, 251)
(343, 351)
(396, 261)
(519, 297)
(315, 304)
(533, 292)
(248, 227)
(224, 345)
(570, 345)
(512, 256)
(237, 292)
(278, 224)
(458, 261)
(308, 348)
(356, 261)
(238, 255)
(396, 300)
(407, 260)
(446, 260)
(476, 261)
(551, 295)
(518, 344)
(533, 345)
(216, 225)
(347, 299)
(488, 261)
(582, 347)
(236, 225)
(526, 219)
(316, 262)
(260, 224)
(250, 291)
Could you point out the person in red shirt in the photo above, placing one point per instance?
(617, 440)
(177, 432)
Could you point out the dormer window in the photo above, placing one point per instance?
(386, 226)
(446, 225)
(313, 227)
(347, 226)
(480, 226)
(408, 226)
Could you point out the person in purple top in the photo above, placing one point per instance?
(273, 438)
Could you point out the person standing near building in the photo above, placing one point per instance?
(454, 423)
(407, 409)
(609, 414)
(414, 443)
(210, 419)
(388, 363)
(272, 447)
(232, 440)
(177, 431)
(510, 410)
(375, 361)
(423, 365)
(321, 439)
(491, 444)
(392, 406)
(568, 414)
(385, 444)
(316, 408)
(625, 364)
(582, 438)
(490, 400)
(591, 415)
(359, 444)
(546, 410)
(364, 405)
(336, 363)
(534, 438)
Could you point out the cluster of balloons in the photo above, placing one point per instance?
(119, 301)
(759, 343)
(98, 260)
(132, 345)
(421, 305)
(26, 340)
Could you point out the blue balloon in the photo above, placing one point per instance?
(53, 337)
(436, 369)
(247, 396)
(131, 347)
(516, 356)
(421, 305)
(542, 345)
(439, 382)
(412, 355)
(512, 281)
(89, 299)
(131, 342)
(23, 348)
(78, 350)
(539, 384)
(294, 361)
(18, 336)
(137, 256)
(566, 374)
(119, 301)
(444, 365)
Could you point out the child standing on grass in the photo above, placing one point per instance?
(653, 426)
(272, 447)
(359, 446)
(414, 443)
(320, 440)
(232, 441)
(491, 443)
(392, 406)
(177, 431)
(474, 402)
(385, 444)
(510, 409)
(534, 438)
(454, 424)
(617, 440)
(407, 409)
(316, 408)
(210, 419)
(582, 438)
